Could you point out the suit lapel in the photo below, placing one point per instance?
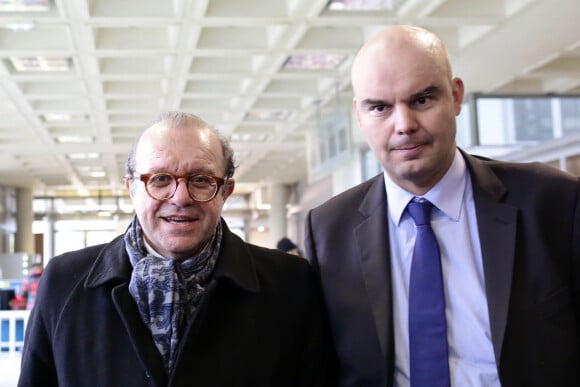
(497, 224)
(372, 238)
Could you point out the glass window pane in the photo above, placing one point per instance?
(491, 120)
(570, 115)
(533, 119)
(68, 241)
(464, 136)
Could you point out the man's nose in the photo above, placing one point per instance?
(405, 119)
(181, 191)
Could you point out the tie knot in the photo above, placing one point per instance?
(420, 211)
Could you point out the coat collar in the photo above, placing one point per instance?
(483, 177)
(497, 225)
(112, 264)
(375, 197)
(235, 263)
(376, 271)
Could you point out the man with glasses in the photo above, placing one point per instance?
(178, 299)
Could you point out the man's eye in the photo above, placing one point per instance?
(380, 110)
(161, 179)
(422, 100)
(200, 180)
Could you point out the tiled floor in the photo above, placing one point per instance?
(9, 369)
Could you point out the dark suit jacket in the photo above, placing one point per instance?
(528, 217)
(260, 323)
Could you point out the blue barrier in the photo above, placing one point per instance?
(12, 328)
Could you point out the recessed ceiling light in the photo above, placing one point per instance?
(63, 117)
(74, 139)
(247, 137)
(40, 64)
(19, 26)
(24, 5)
(365, 5)
(313, 62)
(50, 117)
(278, 115)
(81, 156)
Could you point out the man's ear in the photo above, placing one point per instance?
(458, 90)
(229, 185)
(128, 184)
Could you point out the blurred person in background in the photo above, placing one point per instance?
(27, 296)
(286, 245)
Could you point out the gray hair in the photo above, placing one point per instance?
(186, 120)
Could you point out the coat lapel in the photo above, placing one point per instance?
(375, 263)
(112, 265)
(497, 224)
(139, 334)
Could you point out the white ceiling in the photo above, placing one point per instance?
(223, 60)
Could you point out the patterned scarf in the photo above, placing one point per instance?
(168, 291)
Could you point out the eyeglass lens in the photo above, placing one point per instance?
(162, 186)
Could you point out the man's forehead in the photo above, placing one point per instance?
(409, 86)
(165, 139)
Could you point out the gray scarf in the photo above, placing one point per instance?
(168, 291)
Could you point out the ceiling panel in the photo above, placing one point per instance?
(86, 76)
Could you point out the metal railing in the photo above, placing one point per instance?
(12, 327)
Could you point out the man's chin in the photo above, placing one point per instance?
(187, 250)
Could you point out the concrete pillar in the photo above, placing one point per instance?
(48, 240)
(279, 194)
(24, 242)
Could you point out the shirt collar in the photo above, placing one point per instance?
(446, 195)
(151, 250)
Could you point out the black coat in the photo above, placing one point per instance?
(260, 323)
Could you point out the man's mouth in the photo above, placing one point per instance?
(409, 147)
(178, 219)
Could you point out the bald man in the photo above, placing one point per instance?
(508, 236)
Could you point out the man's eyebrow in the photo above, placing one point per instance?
(431, 90)
(372, 102)
(427, 91)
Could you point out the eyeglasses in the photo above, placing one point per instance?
(162, 185)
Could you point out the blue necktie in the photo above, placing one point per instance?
(427, 328)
